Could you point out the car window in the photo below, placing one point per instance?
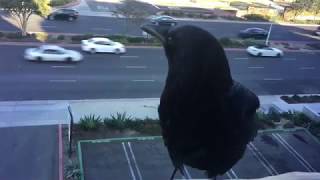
(52, 51)
(103, 43)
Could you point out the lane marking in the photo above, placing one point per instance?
(264, 158)
(289, 59)
(129, 56)
(143, 80)
(241, 58)
(129, 162)
(187, 172)
(63, 66)
(44, 26)
(304, 162)
(272, 79)
(67, 81)
(260, 160)
(256, 67)
(134, 160)
(307, 68)
(234, 174)
(229, 176)
(136, 67)
(101, 29)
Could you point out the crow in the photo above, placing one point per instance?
(207, 118)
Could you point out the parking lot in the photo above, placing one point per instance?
(271, 153)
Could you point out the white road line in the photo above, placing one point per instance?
(229, 175)
(129, 162)
(143, 80)
(289, 59)
(256, 67)
(63, 80)
(241, 58)
(129, 56)
(187, 172)
(101, 29)
(63, 66)
(272, 79)
(307, 68)
(305, 163)
(263, 158)
(260, 160)
(136, 67)
(233, 173)
(49, 26)
(134, 160)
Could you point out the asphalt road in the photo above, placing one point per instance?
(141, 73)
(29, 153)
(105, 25)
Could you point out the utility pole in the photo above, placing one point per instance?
(267, 40)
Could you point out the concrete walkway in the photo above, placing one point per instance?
(28, 113)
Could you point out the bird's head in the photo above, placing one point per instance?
(192, 47)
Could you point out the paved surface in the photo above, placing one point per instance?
(270, 154)
(109, 25)
(29, 153)
(141, 73)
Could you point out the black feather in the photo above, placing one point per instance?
(207, 119)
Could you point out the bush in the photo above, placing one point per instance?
(61, 37)
(315, 129)
(78, 38)
(264, 121)
(15, 35)
(227, 42)
(90, 122)
(42, 36)
(118, 121)
(256, 17)
(135, 39)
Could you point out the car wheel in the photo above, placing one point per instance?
(39, 59)
(278, 55)
(51, 17)
(117, 51)
(70, 19)
(92, 51)
(69, 59)
(259, 54)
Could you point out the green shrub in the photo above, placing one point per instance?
(263, 120)
(61, 37)
(135, 39)
(42, 36)
(14, 35)
(227, 42)
(256, 17)
(90, 122)
(315, 129)
(118, 121)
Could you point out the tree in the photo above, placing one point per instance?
(23, 9)
(132, 11)
(316, 8)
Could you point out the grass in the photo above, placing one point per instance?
(60, 2)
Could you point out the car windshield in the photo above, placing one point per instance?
(143, 89)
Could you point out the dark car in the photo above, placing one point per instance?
(317, 31)
(164, 21)
(256, 33)
(64, 14)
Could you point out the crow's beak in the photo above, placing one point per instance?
(157, 31)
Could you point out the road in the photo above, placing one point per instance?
(105, 25)
(141, 73)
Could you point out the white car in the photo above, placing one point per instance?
(95, 45)
(51, 53)
(262, 50)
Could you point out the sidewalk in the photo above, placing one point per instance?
(27, 113)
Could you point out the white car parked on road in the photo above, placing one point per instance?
(51, 53)
(95, 45)
(262, 50)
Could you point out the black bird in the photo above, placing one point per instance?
(207, 118)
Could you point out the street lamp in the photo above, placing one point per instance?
(267, 40)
